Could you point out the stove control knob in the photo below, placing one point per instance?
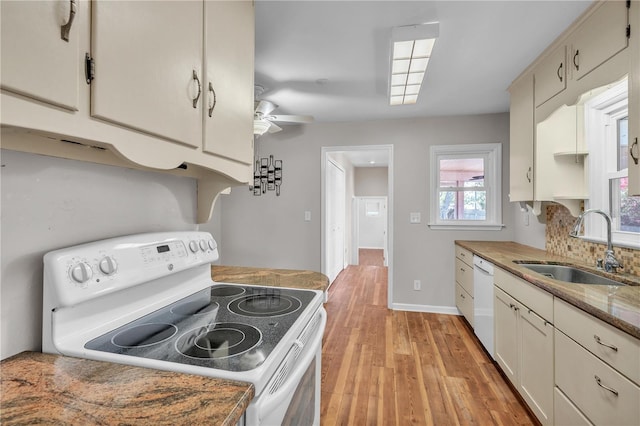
(81, 272)
(203, 245)
(108, 265)
(193, 246)
(212, 245)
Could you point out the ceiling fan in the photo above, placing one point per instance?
(264, 121)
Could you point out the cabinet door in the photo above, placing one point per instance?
(521, 140)
(506, 334)
(598, 38)
(551, 76)
(36, 61)
(536, 364)
(634, 100)
(229, 46)
(146, 56)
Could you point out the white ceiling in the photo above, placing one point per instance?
(330, 59)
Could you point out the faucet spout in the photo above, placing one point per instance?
(610, 263)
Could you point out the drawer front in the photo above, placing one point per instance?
(464, 276)
(465, 255)
(464, 302)
(526, 293)
(565, 413)
(598, 337)
(577, 373)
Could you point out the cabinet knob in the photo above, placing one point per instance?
(634, 151)
(212, 105)
(66, 28)
(197, 80)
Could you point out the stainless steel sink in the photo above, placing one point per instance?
(568, 274)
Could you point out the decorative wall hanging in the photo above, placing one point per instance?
(267, 176)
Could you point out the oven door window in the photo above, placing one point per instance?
(301, 409)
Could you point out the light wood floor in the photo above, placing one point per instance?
(389, 367)
(371, 257)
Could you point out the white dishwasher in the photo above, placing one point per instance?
(483, 302)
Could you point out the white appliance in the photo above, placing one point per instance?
(148, 300)
(483, 302)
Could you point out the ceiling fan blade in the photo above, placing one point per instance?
(291, 118)
(274, 128)
(265, 107)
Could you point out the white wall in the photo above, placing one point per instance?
(270, 231)
(49, 203)
(371, 181)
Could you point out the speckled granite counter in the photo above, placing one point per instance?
(42, 388)
(270, 277)
(619, 306)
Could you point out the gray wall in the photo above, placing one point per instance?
(49, 203)
(371, 181)
(270, 231)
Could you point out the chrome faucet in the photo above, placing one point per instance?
(610, 261)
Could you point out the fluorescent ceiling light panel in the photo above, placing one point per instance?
(411, 49)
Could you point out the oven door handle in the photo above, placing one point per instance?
(267, 402)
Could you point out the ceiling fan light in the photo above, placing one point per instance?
(260, 126)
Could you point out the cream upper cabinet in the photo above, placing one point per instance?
(41, 50)
(521, 140)
(229, 47)
(634, 100)
(148, 67)
(598, 38)
(551, 76)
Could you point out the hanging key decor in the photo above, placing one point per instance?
(267, 176)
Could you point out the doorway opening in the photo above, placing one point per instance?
(357, 208)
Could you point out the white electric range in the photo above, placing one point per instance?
(148, 300)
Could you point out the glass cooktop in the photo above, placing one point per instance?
(227, 326)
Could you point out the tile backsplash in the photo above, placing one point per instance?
(560, 223)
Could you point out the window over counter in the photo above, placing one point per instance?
(607, 134)
(465, 186)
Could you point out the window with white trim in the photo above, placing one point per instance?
(606, 132)
(466, 186)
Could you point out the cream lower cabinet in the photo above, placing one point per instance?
(597, 370)
(464, 283)
(524, 341)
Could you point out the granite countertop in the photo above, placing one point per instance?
(308, 280)
(39, 388)
(618, 306)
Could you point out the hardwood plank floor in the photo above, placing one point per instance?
(383, 367)
(371, 257)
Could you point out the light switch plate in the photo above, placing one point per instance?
(307, 216)
(414, 217)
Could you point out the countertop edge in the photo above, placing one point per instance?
(580, 304)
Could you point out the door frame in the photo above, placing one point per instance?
(324, 157)
(344, 257)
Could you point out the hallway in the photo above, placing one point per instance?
(391, 367)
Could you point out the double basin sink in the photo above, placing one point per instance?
(568, 274)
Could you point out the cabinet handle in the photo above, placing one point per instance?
(529, 174)
(599, 382)
(598, 341)
(213, 94)
(575, 58)
(634, 148)
(514, 307)
(66, 28)
(559, 71)
(462, 269)
(462, 295)
(195, 100)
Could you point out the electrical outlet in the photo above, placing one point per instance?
(416, 285)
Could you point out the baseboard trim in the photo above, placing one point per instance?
(432, 309)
